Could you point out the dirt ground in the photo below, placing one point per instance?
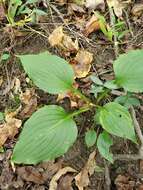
(124, 174)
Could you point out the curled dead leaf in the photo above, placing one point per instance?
(82, 179)
(69, 45)
(53, 183)
(92, 25)
(59, 39)
(82, 63)
(56, 36)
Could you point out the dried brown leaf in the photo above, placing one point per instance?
(31, 174)
(75, 8)
(63, 41)
(69, 45)
(29, 99)
(123, 182)
(93, 4)
(82, 179)
(58, 175)
(137, 9)
(92, 25)
(56, 36)
(9, 129)
(65, 183)
(82, 63)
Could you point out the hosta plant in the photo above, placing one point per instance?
(51, 131)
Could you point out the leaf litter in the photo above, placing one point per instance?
(70, 47)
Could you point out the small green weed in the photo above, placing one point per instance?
(27, 12)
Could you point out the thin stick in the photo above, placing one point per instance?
(107, 176)
(138, 130)
(128, 157)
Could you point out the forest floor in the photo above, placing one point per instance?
(75, 19)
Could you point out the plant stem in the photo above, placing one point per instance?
(102, 95)
(82, 96)
(81, 110)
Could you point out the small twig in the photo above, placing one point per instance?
(107, 176)
(128, 157)
(37, 32)
(138, 130)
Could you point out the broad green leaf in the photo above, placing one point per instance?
(96, 80)
(90, 137)
(116, 120)
(1, 116)
(128, 70)
(104, 142)
(47, 135)
(111, 84)
(127, 101)
(49, 72)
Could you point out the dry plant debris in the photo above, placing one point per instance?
(82, 179)
(76, 36)
(9, 128)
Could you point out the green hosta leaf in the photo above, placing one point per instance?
(103, 143)
(49, 72)
(127, 101)
(116, 120)
(90, 137)
(128, 70)
(47, 135)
